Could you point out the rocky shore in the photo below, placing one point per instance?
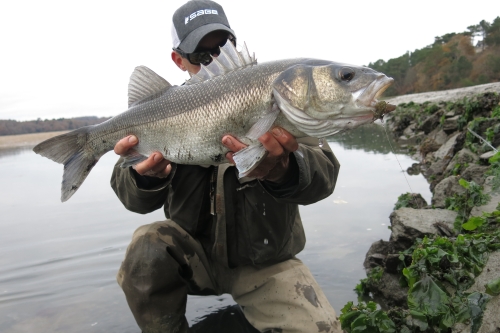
(442, 131)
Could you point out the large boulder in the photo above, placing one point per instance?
(408, 224)
(444, 189)
(491, 318)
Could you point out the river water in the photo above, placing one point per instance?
(59, 261)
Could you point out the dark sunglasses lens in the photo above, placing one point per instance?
(200, 58)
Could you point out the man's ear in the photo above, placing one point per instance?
(177, 59)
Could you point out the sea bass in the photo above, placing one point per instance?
(232, 95)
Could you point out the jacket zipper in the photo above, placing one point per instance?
(213, 183)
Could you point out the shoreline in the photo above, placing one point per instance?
(26, 140)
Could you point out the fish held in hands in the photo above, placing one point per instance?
(232, 95)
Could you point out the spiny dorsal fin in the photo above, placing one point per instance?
(144, 83)
(229, 60)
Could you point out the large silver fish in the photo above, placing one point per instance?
(233, 95)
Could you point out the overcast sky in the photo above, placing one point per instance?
(74, 58)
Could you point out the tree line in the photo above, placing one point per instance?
(452, 61)
(13, 127)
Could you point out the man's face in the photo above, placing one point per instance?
(208, 42)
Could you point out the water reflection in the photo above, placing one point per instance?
(370, 138)
(4, 152)
(59, 261)
(226, 320)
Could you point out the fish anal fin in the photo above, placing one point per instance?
(132, 158)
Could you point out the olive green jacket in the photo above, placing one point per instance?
(238, 221)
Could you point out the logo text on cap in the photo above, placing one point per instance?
(199, 13)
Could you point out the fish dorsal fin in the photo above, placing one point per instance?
(144, 83)
(230, 59)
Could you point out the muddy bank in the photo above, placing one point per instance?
(26, 140)
(451, 95)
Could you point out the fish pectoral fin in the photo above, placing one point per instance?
(263, 124)
(132, 158)
(248, 158)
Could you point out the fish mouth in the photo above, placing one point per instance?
(367, 97)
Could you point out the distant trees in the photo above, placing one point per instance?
(13, 127)
(493, 36)
(450, 62)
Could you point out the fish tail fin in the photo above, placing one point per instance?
(70, 149)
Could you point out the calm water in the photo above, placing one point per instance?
(58, 261)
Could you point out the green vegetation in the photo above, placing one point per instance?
(365, 318)
(494, 170)
(411, 200)
(480, 113)
(373, 276)
(463, 203)
(450, 62)
(438, 272)
(441, 271)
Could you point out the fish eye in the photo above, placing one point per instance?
(346, 74)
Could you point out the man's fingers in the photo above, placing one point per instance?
(155, 165)
(232, 144)
(272, 145)
(229, 157)
(122, 146)
(285, 139)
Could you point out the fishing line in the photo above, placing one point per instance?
(392, 149)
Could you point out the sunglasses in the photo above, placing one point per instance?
(204, 57)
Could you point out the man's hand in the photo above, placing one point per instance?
(279, 144)
(154, 166)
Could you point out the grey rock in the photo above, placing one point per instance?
(436, 168)
(409, 224)
(450, 124)
(428, 145)
(475, 173)
(391, 263)
(494, 201)
(447, 150)
(439, 136)
(389, 289)
(380, 247)
(410, 130)
(464, 157)
(444, 189)
(442, 157)
(430, 123)
(491, 319)
(486, 156)
(413, 139)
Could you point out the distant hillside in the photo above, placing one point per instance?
(13, 127)
(450, 62)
